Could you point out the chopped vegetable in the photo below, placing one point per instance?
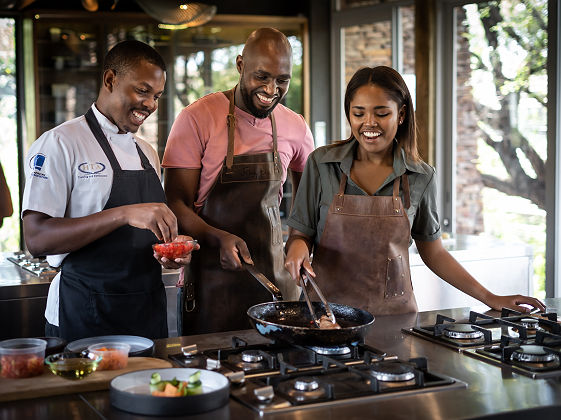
(173, 250)
(175, 387)
(21, 365)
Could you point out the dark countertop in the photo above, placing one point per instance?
(492, 392)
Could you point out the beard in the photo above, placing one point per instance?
(248, 101)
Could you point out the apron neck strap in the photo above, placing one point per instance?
(102, 140)
(405, 187)
(231, 120)
(342, 184)
(143, 159)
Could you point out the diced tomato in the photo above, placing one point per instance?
(21, 365)
(173, 250)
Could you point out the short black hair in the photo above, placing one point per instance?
(127, 54)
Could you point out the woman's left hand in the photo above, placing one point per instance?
(514, 302)
(178, 262)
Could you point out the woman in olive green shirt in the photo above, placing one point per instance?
(363, 200)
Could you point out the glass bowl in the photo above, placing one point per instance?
(22, 357)
(114, 355)
(173, 250)
(72, 365)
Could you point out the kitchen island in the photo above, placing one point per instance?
(489, 391)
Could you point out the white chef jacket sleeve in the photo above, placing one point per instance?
(48, 176)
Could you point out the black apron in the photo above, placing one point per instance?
(244, 201)
(114, 285)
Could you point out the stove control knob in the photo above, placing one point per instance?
(264, 394)
(306, 384)
(236, 378)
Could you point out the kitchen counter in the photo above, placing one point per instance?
(492, 392)
(23, 299)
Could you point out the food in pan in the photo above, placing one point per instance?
(173, 250)
(175, 387)
(326, 324)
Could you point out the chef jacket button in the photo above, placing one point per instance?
(402, 293)
(397, 210)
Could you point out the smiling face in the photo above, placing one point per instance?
(264, 79)
(374, 118)
(131, 96)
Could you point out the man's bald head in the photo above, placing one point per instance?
(267, 38)
(265, 68)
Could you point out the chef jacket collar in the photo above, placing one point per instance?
(345, 152)
(110, 129)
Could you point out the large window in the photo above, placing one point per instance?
(9, 232)
(499, 129)
(369, 33)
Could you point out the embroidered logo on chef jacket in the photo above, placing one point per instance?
(36, 163)
(92, 170)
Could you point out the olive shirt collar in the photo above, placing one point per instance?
(344, 154)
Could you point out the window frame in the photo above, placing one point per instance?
(445, 138)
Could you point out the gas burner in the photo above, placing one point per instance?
(530, 323)
(252, 356)
(392, 372)
(331, 351)
(532, 354)
(462, 332)
(304, 388)
(248, 360)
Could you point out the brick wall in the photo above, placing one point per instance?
(469, 203)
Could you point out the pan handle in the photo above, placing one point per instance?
(265, 282)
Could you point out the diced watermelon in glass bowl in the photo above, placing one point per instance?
(173, 250)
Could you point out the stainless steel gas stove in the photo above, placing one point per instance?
(526, 344)
(37, 266)
(271, 378)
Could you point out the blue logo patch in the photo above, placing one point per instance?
(37, 161)
(91, 168)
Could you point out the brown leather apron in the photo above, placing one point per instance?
(245, 202)
(362, 259)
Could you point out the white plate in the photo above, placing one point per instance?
(131, 392)
(138, 344)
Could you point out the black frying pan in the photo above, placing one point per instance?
(291, 321)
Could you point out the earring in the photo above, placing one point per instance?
(400, 122)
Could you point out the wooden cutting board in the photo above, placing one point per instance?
(49, 384)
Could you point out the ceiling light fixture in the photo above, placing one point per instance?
(178, 14)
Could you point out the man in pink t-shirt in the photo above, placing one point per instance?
(226, 159)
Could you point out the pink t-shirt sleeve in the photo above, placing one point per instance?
(186, 142)
(304, 147)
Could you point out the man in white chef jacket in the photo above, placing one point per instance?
(94, 204)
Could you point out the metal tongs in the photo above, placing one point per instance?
(305, 279)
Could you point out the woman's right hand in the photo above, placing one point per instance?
(298, 257)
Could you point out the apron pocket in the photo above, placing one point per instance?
(395, 277)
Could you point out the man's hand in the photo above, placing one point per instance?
(156, 217)
(231, 249)
(178, 262)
